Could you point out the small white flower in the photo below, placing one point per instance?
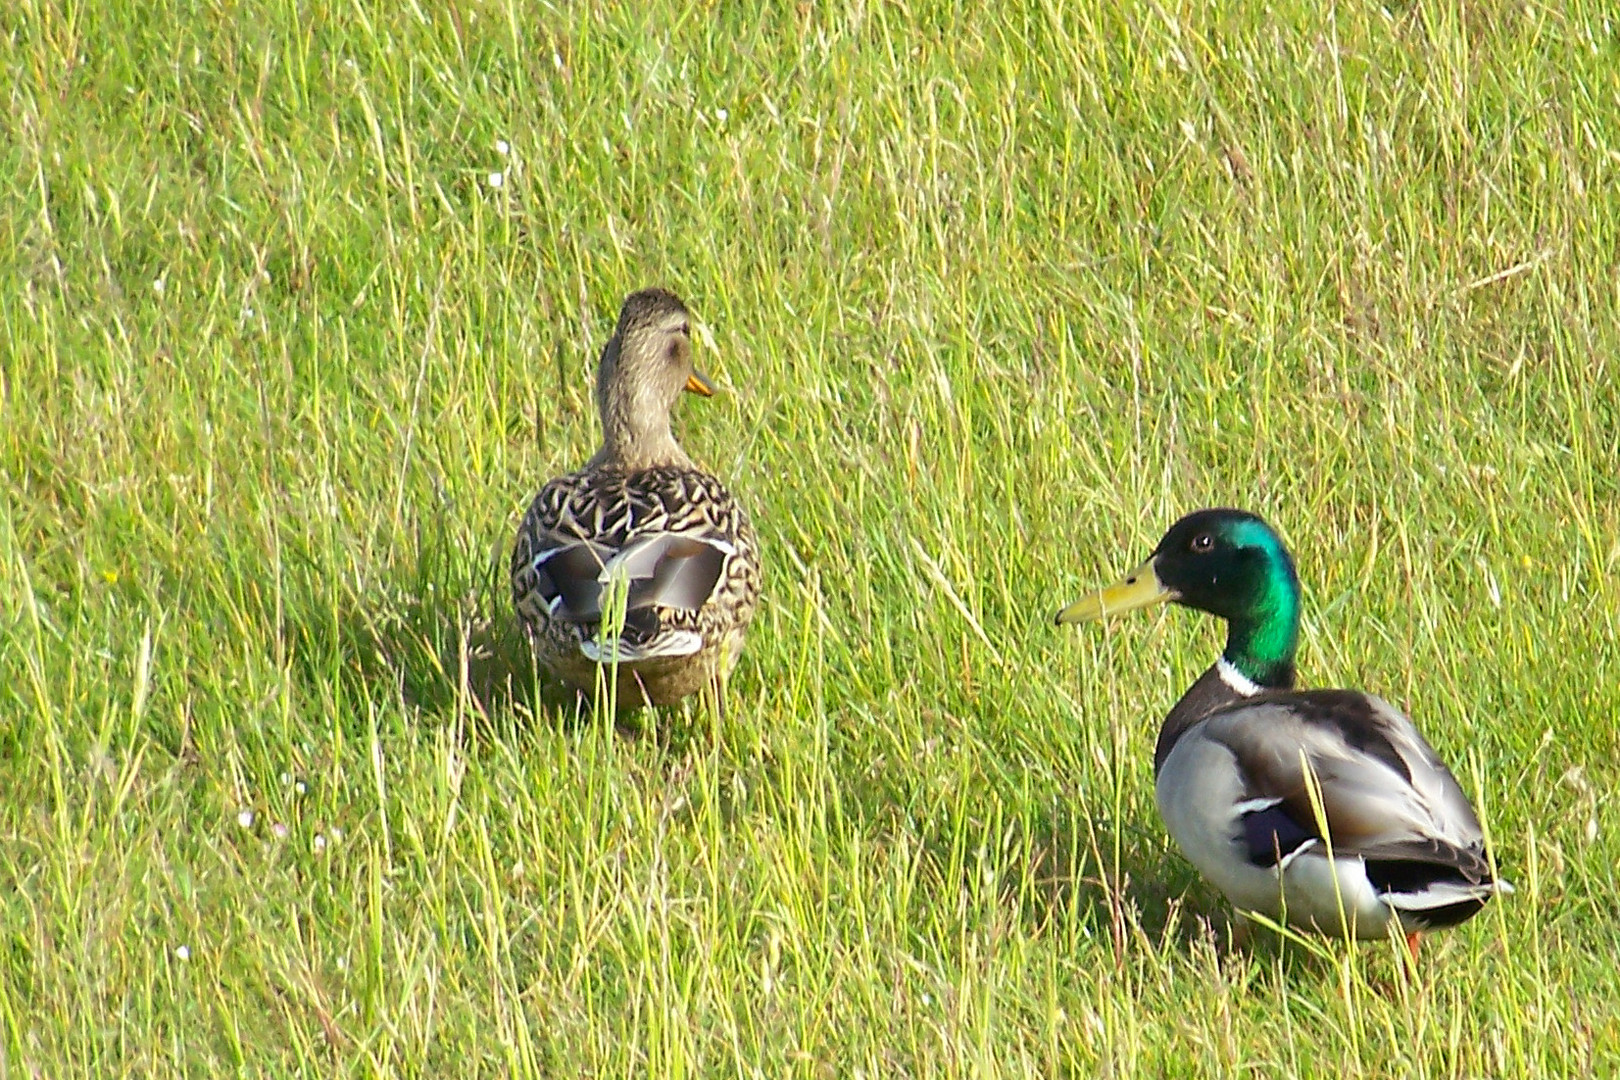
(286, 778)
(183, 952)
(336, 834)
(300, 787)
(244, 818)
(158, 286)
(721, 115)
(343, 963)
(502, 147)
(279, 831)
(496, 179)
(320, 843)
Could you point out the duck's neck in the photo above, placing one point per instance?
(1259, 657)
(1260, 645)
(636, 452)
(636, 434)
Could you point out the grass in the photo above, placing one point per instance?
(994, 298)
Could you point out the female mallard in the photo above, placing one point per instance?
(1321, 808)
(642, 522)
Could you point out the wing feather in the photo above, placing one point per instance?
(1384, 793)
(669, 534)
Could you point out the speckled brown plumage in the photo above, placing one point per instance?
(640, 521)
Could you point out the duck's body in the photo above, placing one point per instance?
(640, 521)
(1401, 841)
(1320, 808)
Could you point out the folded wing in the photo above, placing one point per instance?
(659, 573)
(1344, 772)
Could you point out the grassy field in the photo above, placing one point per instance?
(299, 305)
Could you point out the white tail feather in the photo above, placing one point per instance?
(671, 643)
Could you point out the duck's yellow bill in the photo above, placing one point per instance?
(1140, 588)
(699, 384)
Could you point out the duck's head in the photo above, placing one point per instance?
(644, 368)
(1231, 564)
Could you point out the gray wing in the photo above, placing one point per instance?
(1384, 794)
(670, 570)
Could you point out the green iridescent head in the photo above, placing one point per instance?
(1231, 564)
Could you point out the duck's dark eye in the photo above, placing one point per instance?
(1203, 542)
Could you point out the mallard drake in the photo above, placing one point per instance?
(1320, 808)
(640, 521)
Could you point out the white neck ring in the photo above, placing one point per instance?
(1235, 679)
